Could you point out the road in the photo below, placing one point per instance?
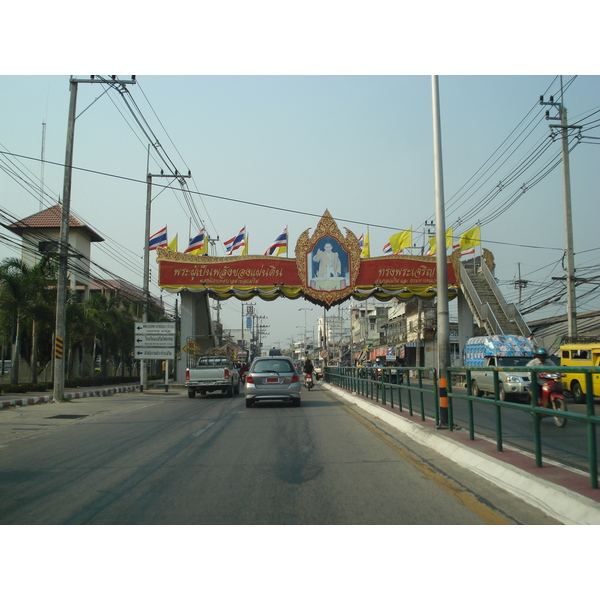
(167, 459)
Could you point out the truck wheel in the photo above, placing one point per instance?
(236, 390)
(577, 392)
(475, 391)
(230, 391)
(191, 393)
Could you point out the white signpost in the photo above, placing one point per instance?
(155, 341)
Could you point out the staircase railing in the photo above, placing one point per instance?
(510, 310)
(483, 311)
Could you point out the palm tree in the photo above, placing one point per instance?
(22, 297)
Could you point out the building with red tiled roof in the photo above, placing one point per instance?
(41, 232)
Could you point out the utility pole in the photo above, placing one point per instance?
(564, 127)
(249, 311)
(146, 279)
(305, 309)
(61, 283)
(443, 315)
(520, 283)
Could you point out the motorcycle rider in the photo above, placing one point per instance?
(308, 368)
(540, 360)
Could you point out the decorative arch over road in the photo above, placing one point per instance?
(327, 270)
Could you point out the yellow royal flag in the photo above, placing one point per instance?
(470, 239)
(172, 245)
(401, 240)
(244, 251)
(366, 251)
(433, 242)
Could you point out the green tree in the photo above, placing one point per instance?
(24, 299)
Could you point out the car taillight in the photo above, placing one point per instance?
(226, 373)
(249, 379)
(187, 374)
(295, 378)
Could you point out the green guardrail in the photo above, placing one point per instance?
(400, 388)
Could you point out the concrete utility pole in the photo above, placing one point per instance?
(443, 315)
(571, 303)
(305, 309)
(61, 284)
(146, 278)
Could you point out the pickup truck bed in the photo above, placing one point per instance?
(212, 374)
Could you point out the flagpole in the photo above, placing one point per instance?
(443, 318)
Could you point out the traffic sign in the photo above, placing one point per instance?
(154, 353)
(148, 340)
(166, 327)
(191, 348)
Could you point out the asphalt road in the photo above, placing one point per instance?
(162, 458)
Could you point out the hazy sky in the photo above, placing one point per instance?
(359, 146)
(348, 129)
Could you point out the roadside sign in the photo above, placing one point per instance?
(154, 353)
(163, 328)
(191, 348)
(149, 340)
(154, 341)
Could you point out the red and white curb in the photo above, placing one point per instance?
(68, 396)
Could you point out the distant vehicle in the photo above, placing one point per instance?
(272, 378)
(212, 374)
(499, 351)
(580, 355)
(275, 352)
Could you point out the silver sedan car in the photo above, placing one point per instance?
(272, 378)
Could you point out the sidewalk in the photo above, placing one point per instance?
(28, 399)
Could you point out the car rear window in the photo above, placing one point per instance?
(273, 366)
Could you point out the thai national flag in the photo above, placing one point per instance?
(387, 249)
(236, 242)
(361, 241)
(279, 245)
(158, 240)
(197, 242)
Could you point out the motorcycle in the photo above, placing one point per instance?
(308, 381)
(551, 394)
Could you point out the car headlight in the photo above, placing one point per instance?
(513, 379)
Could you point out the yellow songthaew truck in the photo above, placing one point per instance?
(580, 355)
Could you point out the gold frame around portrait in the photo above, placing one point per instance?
(305, 245)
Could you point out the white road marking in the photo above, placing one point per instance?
(201, 431)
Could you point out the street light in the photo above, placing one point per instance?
(305, 309)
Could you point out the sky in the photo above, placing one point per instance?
(279, 116)
(269, 152)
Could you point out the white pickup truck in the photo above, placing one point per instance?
(212, 374)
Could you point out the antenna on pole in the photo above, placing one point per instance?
(42, 165)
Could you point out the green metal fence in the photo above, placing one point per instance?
(403, 389)
(399, 388)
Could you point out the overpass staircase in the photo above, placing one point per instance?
(490, 310)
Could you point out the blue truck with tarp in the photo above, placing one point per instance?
(495, 352)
